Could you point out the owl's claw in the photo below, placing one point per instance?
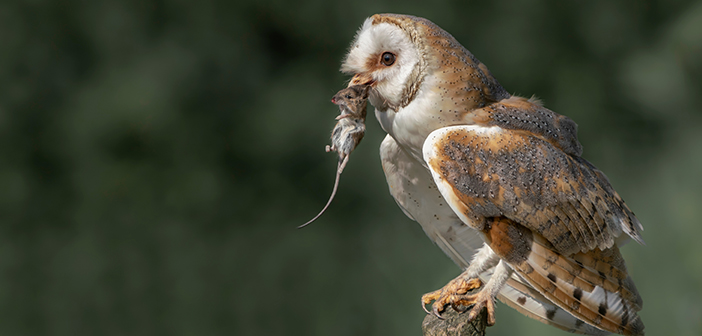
(481, 301)
(437, 313)
(425, 302)
(454, 294)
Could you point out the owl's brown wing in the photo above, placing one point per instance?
(493, 172)
(551, 216)
(520, 114)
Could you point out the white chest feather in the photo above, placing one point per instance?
(410, 125)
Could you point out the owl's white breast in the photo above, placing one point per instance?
(410, 125)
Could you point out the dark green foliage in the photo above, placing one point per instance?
(156, 157)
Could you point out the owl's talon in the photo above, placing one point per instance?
(424, 306)
(425, 309)
(428, 298)
(454, 294)
(437, 311)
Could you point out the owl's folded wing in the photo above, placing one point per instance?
(493, 172)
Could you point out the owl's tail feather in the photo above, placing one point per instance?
(594, 287)
(531, 303)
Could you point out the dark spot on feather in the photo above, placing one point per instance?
(602, 275)
(552, 277)
(578, 294)
(528, 269)
(549, 262)
(575, 305)
(602, 310)
(551, 313)
(636, 326)
(521, 300)
(578, 323)
(579, 263)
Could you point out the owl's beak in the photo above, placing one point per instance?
(362, 79)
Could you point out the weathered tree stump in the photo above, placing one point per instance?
(454, 324)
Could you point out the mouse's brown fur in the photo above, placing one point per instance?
(348, 131)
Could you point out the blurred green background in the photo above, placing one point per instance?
(156, 158)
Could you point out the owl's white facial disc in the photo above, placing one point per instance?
(372, 41)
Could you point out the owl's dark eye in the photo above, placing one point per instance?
(387, 59)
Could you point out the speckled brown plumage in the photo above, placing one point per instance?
(525, 178)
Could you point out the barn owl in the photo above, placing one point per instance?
(497, 182)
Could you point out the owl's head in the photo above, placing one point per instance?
(395, 54)
(387, 54)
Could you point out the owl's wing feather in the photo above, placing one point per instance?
(492, 172)
(517, 113)
(549, 215)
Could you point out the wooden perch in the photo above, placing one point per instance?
(454, 324)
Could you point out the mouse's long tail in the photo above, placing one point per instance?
(340, 168)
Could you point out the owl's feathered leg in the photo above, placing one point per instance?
(454, 293)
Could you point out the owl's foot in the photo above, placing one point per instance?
(479, 301)
(454, 294)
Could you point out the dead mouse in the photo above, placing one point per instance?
(348, 131)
